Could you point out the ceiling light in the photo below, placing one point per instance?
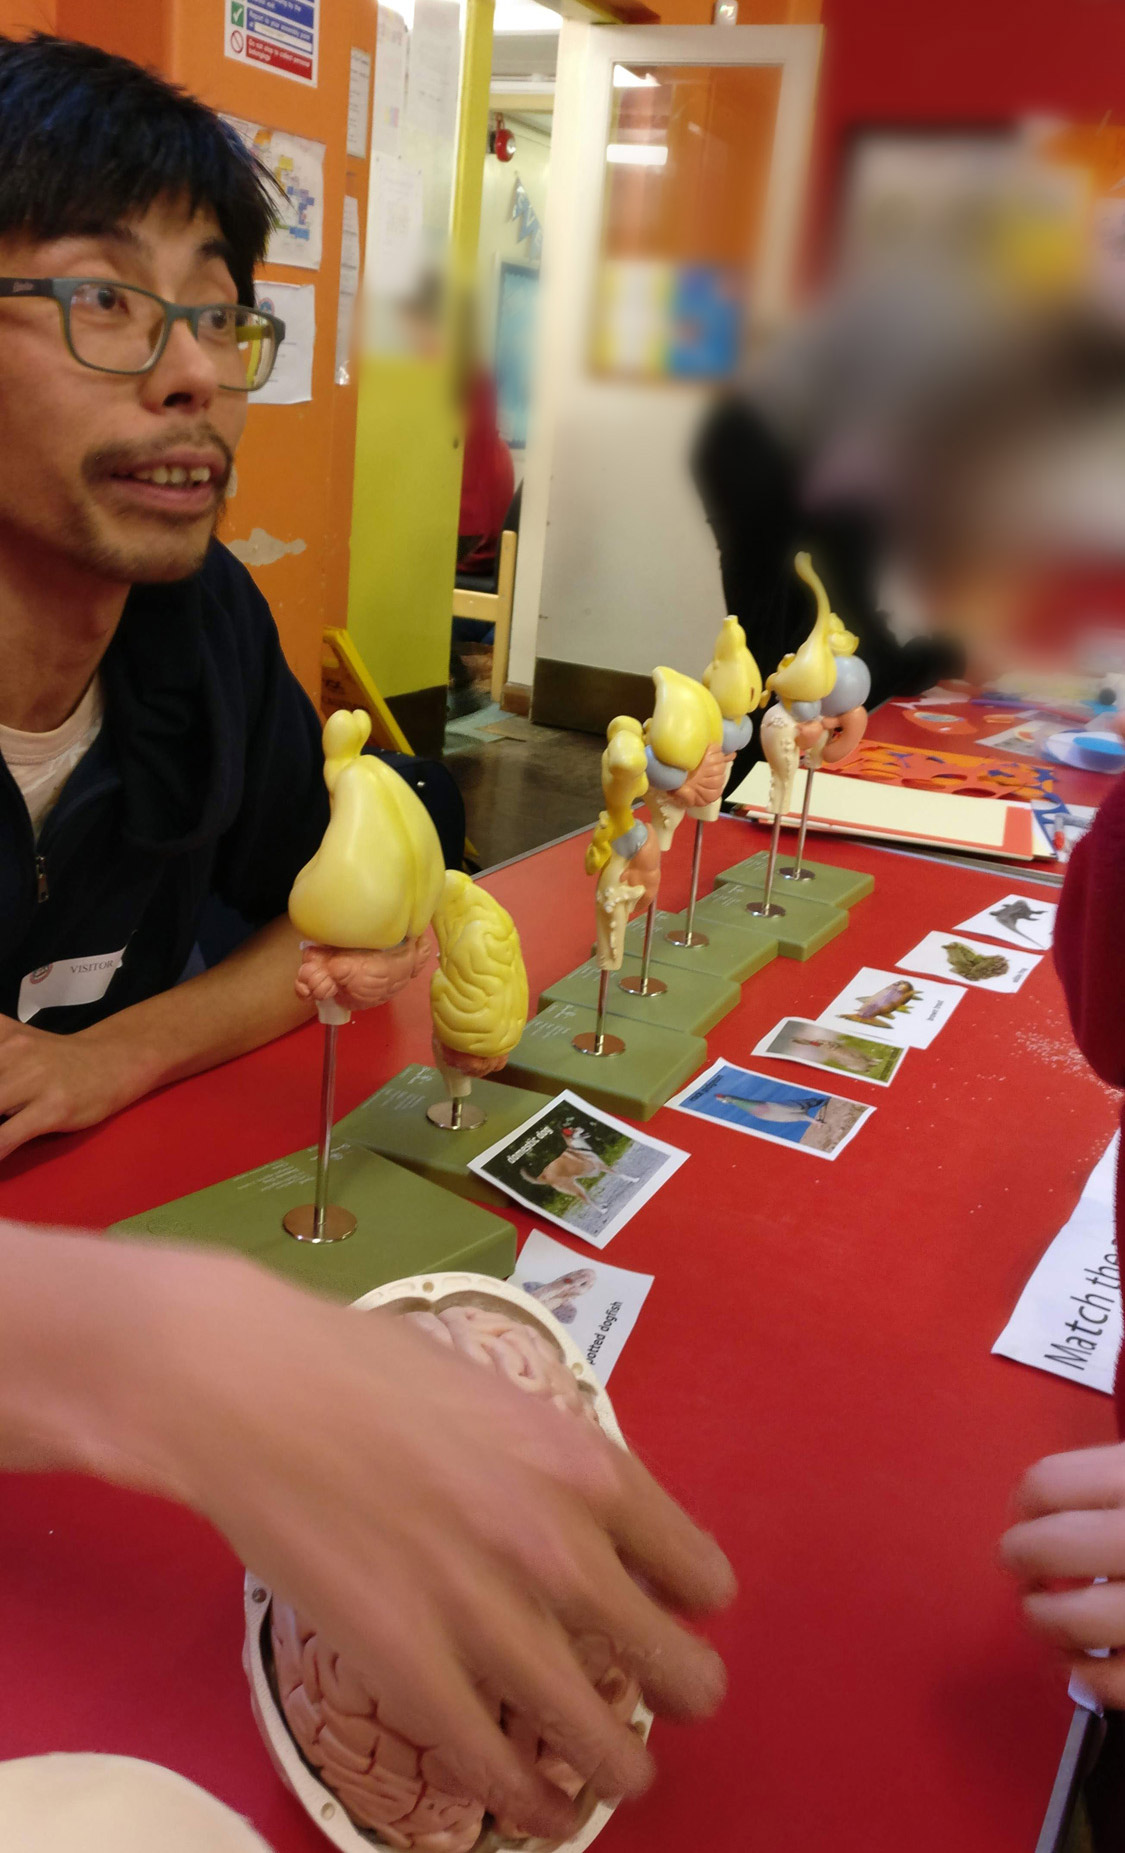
(637, 154)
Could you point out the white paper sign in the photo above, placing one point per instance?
(1018, 920)
(1068, 1317)
(970, 962)
(273, 35)
(597, 1304)
(349, 287)
(298, 167)
(892, 1008)
(359, 92)
(290, 383)
(67, 981)
(394, 226)
(388, 100)
(434, 69)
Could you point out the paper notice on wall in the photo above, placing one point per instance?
(275, 35)
(290, 383)
(597, 1304)
(298, 167)
(359, 94)
(1068, 1319)
(389, 96)
(349, 289)
(394, 226)
(434, 70)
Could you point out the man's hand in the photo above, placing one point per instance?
(437, 1526)
(60, 1083)
(358, 980)
(1072, 1530)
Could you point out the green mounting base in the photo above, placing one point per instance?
(393, 1122)
(839, 887)
(654, 1064)
(694, 1001)
(405, 1225)
(733, 952)
(801, 930)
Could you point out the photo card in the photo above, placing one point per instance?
(818, 1045)
(890, 1008)
(971, 962)
(766, 1109)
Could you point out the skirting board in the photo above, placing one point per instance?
(578, 696)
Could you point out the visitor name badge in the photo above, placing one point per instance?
(67, 981)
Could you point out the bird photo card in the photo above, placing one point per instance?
(579, 1167)
(970, 962)
(817, 1045)
(1018, 921)
(785, 1115)
(892, 1009)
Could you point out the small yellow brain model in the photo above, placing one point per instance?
(478, 995)
(378, 874)
(688, 764)
(623, 852)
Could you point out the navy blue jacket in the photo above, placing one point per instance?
(205, 783)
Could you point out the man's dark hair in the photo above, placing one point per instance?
(88, 139)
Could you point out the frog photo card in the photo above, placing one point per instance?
(908, 1012)
(971, 962)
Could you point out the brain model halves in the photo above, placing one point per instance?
(478, 995)
(387, 1783)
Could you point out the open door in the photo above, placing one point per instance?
(679, 158)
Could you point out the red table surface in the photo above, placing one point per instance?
(893, 725)
(810, 1374)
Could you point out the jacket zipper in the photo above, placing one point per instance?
(42, 892)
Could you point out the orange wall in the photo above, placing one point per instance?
(295, 463)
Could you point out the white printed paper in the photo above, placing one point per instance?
(359, 94)
(778, 1111)
(816, 1045)
(597, 1304)
(298, 167)
(1068, 1318)
(433, 74)
(970, 962)
(290, 383)
(909, 1012)
(349, 288)
(394, 226)
(1018, 920)
(388, 100)
(67, 981)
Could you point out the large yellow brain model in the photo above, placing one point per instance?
(478, 996)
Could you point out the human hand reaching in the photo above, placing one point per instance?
(358, 980)
(1071, 1530)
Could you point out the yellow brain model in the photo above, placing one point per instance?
(478, 996)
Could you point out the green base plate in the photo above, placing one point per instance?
(801, 930)
(654, 1064)
(405, 1224)
(393, 1122)
(693, 1002)
(732, 952)
(839, 887)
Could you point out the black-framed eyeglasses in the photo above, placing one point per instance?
(117, 328)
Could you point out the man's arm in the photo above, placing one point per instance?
(434, 1523)
(52, 1083)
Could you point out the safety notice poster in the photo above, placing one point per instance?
(275, 35)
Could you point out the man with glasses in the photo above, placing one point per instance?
(158, 761)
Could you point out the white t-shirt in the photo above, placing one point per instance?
(41, 763)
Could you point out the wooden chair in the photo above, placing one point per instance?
(494, 608)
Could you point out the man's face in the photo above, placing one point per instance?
(72, 441)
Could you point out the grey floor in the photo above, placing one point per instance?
(523, 785)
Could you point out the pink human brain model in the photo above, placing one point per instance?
(386, 1782)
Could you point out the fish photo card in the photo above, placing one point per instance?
(817, 1045)
(597, 1303)
(893, 1009)
(1018, 920)
(971, 962)
(579, 1167)
(749, 1102)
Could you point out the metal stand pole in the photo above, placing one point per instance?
(598, 1041)
(457, 1108)
(797, 873)
(687, 935)
(321, 1221)
(766, 908)
(645, 985)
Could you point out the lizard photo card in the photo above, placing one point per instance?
(891, 1008)
(970, 962)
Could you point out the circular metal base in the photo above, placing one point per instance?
(796, 874)
(441, 1114)
(772, 912)
(588, 1043)
(637, 987)
(301, 1223)
(679, 938)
